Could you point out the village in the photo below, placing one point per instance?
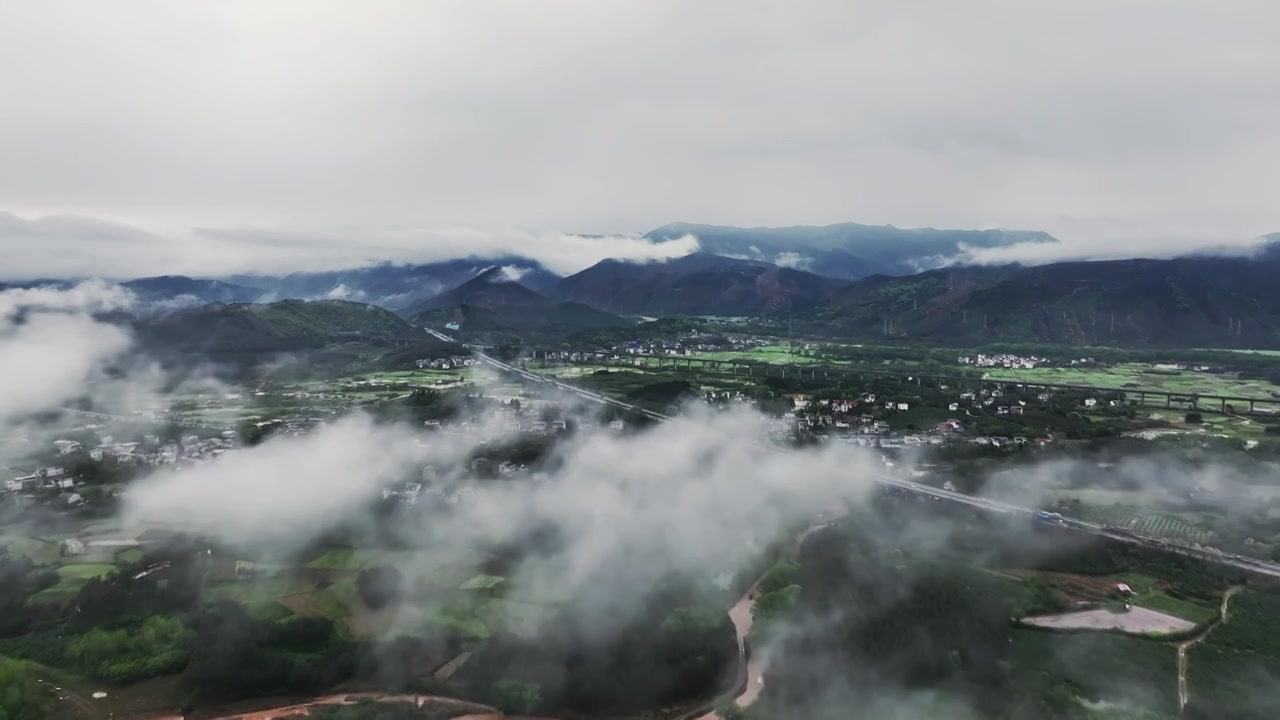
(70, 464)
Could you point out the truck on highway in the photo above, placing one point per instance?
(1050, 517)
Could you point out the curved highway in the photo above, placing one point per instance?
(1118, 534)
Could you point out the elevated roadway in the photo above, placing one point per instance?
(1118, 534)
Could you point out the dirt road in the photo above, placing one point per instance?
(1184, 693)
(742, 614)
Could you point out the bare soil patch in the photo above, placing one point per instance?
(1139, 621)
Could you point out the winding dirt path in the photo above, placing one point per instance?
(742, 615)
(1184, 648)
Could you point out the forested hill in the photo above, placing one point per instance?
(491, 302)
(697, 284)
(1186, 302)
(281, 326)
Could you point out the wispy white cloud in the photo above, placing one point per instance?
(1100, 248)
(51, 346)
(73, 246)
(795, 260)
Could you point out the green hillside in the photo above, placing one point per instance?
(545, 316)
(1185, 302)
(287, 325)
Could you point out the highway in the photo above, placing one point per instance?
(1238, 561)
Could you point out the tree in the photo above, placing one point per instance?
(20, 696)
(254, 433)
(380, 586)
(728, 709)
(515, 697)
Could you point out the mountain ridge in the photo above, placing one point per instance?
(281, 326)
(697, 284)
(1188, 302)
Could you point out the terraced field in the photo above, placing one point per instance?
(1134, 377)
(1159, 525)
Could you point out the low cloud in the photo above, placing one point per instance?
(51, 346)
(701, 497)
(512, 273)
(1101, 248)
(285, 491)
(93, 296)
(74, 247)
(793, 260)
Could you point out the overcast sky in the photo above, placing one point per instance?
(1145, 122)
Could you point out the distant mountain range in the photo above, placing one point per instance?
(394, 286)
(1208, 300)
(847, 251)
(192, 291)
(493, 302)
(698, 284)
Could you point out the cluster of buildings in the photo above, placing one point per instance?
(52, 479)
(578, 357)
(446, 363)
(151, 453)
(689, 344)
(516, 421)
(1003, 360)
(728, 397)
(58, 483)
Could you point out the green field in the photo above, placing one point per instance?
(620, 381)
(71, 578)
(1160, 525)
(351, 559)
(482, 582)
(40, 552)
(777, 354)
(1134, 377)
(1160, 602)
(520, 618)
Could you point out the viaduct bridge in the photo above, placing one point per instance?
(1150, 397)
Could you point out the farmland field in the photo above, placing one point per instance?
(1133, 377)
(518, 617)
(620, 381)
(482, 582)
(352, 559)
(41, 552)
(1159, 525)
(1191, 612)
(777, 354)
